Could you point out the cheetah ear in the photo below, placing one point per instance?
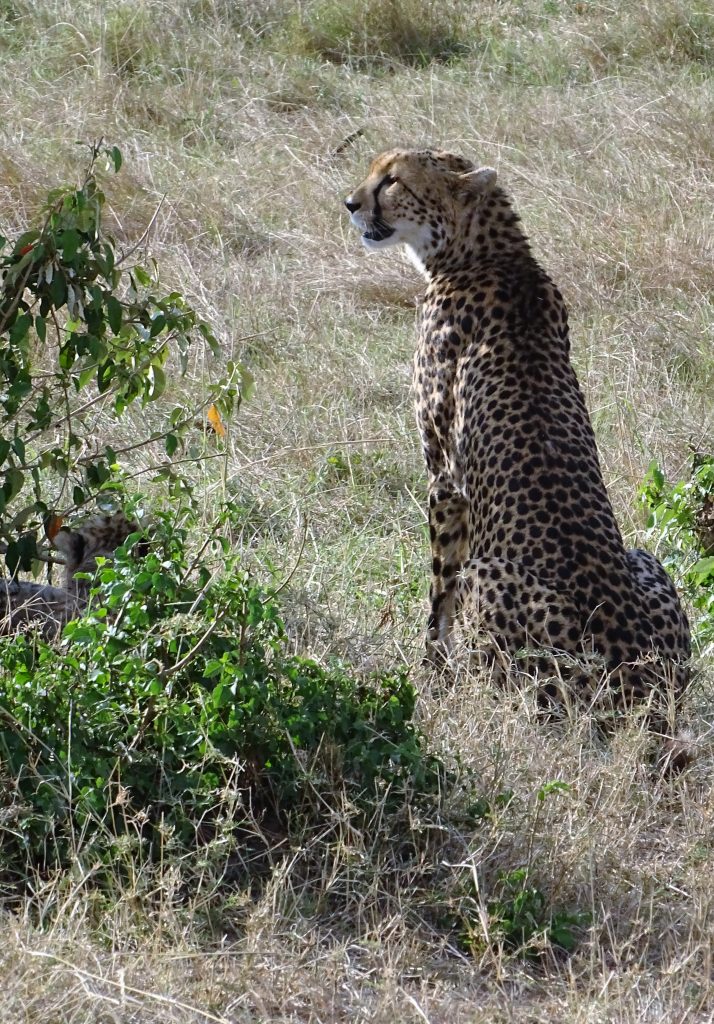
(479, 182)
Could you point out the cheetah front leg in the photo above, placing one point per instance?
(448, 532)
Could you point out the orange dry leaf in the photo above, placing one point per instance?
(214, 418)
(53, 524)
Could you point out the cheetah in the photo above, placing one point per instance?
(526, 553)
(99, 537)
(50, 607)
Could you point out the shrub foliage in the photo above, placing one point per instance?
(173, 700)
(681, 522)
(172, 709)
(84, 329)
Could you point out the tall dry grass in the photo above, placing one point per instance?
(599, 120)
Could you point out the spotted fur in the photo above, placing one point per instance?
(99, 537)
(526, 552)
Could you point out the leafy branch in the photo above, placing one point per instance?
(83, 329)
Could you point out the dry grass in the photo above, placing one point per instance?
(599, 120)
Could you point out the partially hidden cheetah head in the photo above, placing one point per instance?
(98, 537)
(417, 198)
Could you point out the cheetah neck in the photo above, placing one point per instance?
(483, 232)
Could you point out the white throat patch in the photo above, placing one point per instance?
(415, 259)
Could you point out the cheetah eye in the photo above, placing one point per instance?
(389, 180)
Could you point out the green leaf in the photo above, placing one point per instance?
(116, 158)
(142, 277)
(85, 377)
(67, 353)
(157, 383)
(157, 325)
(58, 290)
(19, 329)
(108, 252)
(210, 337)
(171, 444)
(115, 313)
(16, 271)
(41, 328)
(14, 479)
(21, 553)
(105, 372)
(42, 412)
(553, 787)
(25, 239)
(561, 935)
(703, 568)
(69, 241)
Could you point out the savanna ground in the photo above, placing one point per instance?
(245, 116)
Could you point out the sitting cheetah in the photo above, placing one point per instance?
(23, 602)
(525, 548)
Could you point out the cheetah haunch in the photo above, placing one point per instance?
(526, 553)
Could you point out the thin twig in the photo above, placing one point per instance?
(168, 465)
(212, 533)
(172, 669)
(144, 235)
(284, 452)
(283, 585)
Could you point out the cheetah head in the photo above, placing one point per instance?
(416, 198)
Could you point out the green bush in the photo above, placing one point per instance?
(518, 915)
(680, 520)
(521, 918)
(172, 708)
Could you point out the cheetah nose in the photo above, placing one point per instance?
(351, 206)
